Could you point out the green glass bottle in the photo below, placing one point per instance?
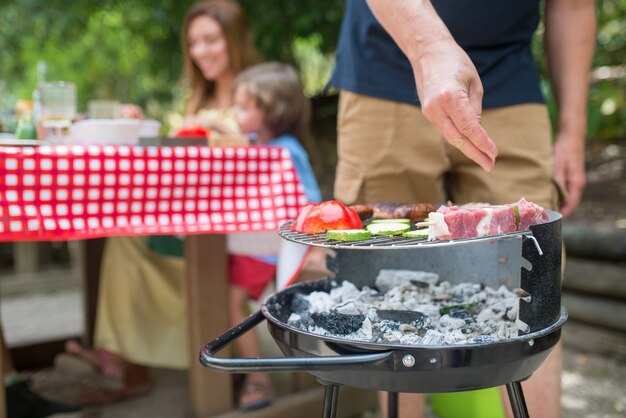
(26, 128)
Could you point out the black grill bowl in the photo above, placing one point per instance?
(530, 260)
(432, 368)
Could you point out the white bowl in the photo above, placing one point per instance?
(149, 129)
(112, 131)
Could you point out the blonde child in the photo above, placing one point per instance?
(269, 105)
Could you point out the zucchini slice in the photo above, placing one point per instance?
(391, 221)
(348, 234)
(418, 233)
(388, 229)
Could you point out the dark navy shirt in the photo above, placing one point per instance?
(496, 34)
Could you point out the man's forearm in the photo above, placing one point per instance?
(570, 41)
(411, 23)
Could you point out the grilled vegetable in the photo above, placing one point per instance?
(391, 221)
(348, 234)
(388, 229)
(418, 233)
(329, 215)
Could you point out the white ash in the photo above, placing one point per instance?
(415, 309)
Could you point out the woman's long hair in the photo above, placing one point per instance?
(241, 51)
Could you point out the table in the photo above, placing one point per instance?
(76, 193)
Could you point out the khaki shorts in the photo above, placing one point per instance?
(389, 152)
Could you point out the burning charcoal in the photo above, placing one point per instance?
(320, 302)
(465, 290)
(366, 330)
(412, 312)
(420, 284)
(376, 336)
(414, 318)
(404, 317)
(337, 323)
(430, 310)
(389, 326)
(512, 312)
(407, 328)
(348, 308)
(388, 279)
(492, 314)
(297, 321)
(449, 324)
(441, 297)
(412, 339)
(461, 313)
(457, 307)
(455, 337)
(433, 337)
(347, 291)
(482, 339)
(299, 303)
(294, 317)
(504, 332)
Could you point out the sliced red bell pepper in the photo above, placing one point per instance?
(298, 225)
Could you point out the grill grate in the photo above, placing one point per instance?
(382, 242)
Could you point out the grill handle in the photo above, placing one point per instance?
(279, 364)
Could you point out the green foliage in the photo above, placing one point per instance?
(106, 47)
(276, 23)
(607, 94)
(315, 66)
(130, 50)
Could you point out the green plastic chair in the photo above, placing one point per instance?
(484, 403)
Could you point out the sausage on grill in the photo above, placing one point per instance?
(416, 212)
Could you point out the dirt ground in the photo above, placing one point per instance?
(593, 384)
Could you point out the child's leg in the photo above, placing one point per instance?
(258, 386)
(247, 344)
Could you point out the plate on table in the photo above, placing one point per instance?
(14, 142)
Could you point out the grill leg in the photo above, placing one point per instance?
(392, 404)
(516, 397)
(331, 394)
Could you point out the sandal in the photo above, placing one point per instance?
(261, 392)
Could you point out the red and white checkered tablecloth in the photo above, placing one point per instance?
(77, 192)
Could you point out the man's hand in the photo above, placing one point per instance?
(448, 85)
(451, 95)
(569, 169)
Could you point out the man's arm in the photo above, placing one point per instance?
(448, 85)
(570, 40)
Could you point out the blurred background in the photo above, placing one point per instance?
(130, 52)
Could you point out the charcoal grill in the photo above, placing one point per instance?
(530, 260)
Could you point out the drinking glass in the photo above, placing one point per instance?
(56, 111)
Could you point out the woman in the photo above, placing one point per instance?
(135, 332)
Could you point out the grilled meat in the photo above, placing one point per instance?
(416, 212)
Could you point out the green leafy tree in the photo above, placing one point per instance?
(131, 50)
